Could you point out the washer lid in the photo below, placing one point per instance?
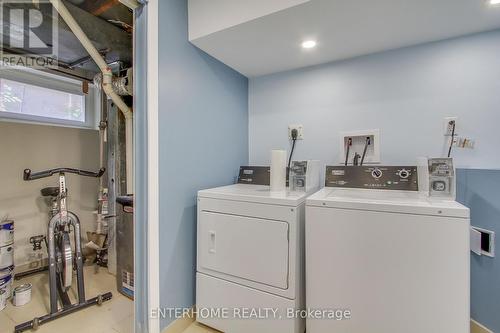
(254, 193)
(387, 201)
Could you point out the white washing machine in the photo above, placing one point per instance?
(396, 260)
(250, 264)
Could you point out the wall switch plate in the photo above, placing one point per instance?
(300, 130)
(358, 140)
(448, 128)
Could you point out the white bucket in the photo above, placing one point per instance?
(6, 277)
(21, 294)
(6, 233)
(3, 299)
(6, 256)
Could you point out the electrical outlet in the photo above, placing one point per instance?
(448, 128)
(300, 131)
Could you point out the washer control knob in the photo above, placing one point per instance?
(377, 173)
(404, 174)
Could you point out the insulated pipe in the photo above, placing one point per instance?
(107, 86)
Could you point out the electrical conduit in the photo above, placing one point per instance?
(107, 86)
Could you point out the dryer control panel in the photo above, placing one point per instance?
(254, 175)
(373, 177)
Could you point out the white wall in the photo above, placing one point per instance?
(405, 93)
(207, 17)
(39, 147)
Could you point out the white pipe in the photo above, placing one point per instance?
(106, 86)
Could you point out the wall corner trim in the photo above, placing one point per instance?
(153, 208)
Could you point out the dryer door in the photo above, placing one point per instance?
(248, 248)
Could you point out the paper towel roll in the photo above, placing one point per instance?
(278, 170)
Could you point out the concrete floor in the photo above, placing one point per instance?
(114, 316)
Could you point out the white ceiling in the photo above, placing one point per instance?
(207, 17)
(343, 29)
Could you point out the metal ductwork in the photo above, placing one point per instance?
(122, 85)
(113, 42)
(107, 85)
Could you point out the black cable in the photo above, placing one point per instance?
(294, 135)
(291, 154)
(367, 143)
(349, 143)
(452, 138)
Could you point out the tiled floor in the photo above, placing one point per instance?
(198, 328)
(114, 316)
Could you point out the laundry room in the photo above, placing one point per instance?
(386, 109)
(66, 199)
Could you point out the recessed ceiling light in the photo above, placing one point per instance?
(309, 44)
(494, 2)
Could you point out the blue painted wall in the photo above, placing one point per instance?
(203, 124)
(480, 191)
(406, 93)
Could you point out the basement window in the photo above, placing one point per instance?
(38, 97)
(29, 100)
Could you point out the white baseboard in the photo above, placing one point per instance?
(476, 327)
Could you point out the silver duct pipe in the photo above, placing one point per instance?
(122, 85)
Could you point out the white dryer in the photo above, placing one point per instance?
(250, 264)
(398, 261)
